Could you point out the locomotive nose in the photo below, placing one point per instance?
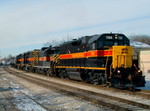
(122, 55)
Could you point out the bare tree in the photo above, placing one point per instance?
(141, 38)
(0, 55)
(58, 42)
(47, 44)
(51, 43)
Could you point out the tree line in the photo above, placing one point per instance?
(141, 38)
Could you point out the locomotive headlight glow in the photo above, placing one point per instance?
(118, 71)
(139, 71)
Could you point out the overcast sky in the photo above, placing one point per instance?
(28, 24)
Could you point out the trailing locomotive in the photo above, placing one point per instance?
(100, 59)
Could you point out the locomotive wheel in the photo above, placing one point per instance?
(36, 70)
(89, 78)
(49, 73)
(91, 75)
(30, 69)
(63, 74)
(95, 78)
(102, 79)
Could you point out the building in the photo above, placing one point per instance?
(2, 62)
(145, 60)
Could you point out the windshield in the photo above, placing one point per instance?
(113, 40)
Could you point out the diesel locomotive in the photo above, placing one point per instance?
(100, 59)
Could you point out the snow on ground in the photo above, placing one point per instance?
(23, 102)
(52, 100)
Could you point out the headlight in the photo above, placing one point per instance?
(139, 71)
(118, 71)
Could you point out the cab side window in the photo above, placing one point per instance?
(93, 46)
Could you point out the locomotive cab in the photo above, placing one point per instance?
(109, 40)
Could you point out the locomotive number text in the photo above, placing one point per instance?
(109, 37)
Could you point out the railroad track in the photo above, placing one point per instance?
(5, 107)
(117, 103)
(13, 107)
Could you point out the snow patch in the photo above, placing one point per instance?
(5, 79)
(138, 44)
(22, 99)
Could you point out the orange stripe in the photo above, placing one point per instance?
(95, 53)
(51, 58)
(98, 68)
(45, 58)
(20, 60)
(30, 59)
(42, 59)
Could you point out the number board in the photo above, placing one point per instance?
(109, 37)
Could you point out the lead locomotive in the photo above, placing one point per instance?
(100, 59)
